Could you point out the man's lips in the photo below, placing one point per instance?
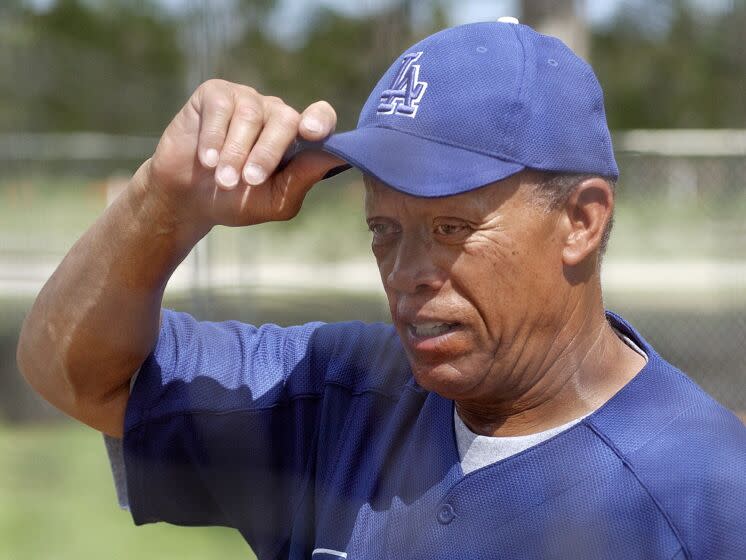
(430, 329)
(432, 336)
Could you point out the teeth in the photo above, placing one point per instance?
(430, 329)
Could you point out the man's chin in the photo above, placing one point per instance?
(445, 379)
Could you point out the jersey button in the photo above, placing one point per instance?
(446, 514)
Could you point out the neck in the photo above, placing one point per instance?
(583, 365)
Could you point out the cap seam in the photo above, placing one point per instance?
(521, 88)
(612, 170)
(605, 138)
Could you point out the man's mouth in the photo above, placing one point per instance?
(429, 329)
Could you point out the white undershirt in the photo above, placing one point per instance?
(477, 451)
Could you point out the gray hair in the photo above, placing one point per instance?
(555, 188)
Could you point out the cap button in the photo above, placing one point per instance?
(508, 19)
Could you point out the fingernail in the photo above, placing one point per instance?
(254, 174)
(312, 124)
(227, 176)
(211, 157)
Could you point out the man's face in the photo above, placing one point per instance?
(474, 283)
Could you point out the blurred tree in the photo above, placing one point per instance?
(117, 68)
(690, 73)
(340, 61)
(560, 18)
(126, 65)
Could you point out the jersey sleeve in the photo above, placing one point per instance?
(706, 487)
(221, 424)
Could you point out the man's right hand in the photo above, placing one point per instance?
(97, 318)
(216, 163)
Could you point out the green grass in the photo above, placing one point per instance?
(57, 502)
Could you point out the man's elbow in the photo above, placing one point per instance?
(55, 381)
(35, 369)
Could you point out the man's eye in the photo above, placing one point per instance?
(450, 229)
(382, 230)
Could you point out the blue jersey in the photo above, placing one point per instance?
(315, 441)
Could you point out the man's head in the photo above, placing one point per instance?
(489, 191)
(485, 282)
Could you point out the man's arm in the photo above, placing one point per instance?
(97, 318)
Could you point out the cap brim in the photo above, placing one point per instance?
(415, 165)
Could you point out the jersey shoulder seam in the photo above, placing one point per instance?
(610, 444)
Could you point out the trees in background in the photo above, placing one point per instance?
(692, 74)
(340, 61)
(106, 66)
(125, 66)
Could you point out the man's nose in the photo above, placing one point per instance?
(414, 267)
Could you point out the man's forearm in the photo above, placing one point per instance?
(97, 317)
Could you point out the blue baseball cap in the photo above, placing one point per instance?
(474, 104)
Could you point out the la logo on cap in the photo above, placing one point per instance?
(406, 90)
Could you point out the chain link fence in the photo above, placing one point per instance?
(677, 261)
(676, 264)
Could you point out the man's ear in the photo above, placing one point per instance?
(586, 213)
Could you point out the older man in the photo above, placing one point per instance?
(503, 415)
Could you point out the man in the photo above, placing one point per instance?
(504, 414)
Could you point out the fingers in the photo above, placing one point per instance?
(213, 101)
(280, 130)
(245, 126)
(244, 135)
(232, 117)
(318, 121)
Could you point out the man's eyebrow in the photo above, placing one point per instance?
(467, 207)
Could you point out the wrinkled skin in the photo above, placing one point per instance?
(520, 302)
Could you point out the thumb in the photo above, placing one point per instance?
(292, 183)
(310, 167)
